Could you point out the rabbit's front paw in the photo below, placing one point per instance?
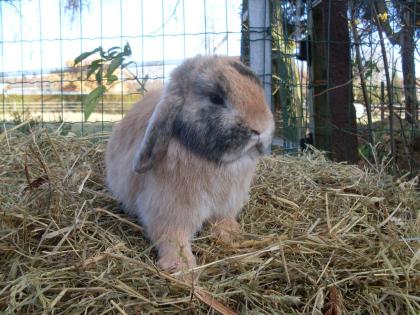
(226, 230)
(176, 260)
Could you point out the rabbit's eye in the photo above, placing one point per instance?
(216, 99)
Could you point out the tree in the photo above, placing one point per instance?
(406, 14)
(334, 115)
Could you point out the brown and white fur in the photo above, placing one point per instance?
(186, 154)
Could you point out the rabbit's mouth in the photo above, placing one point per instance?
(260, 148)
(257, 145)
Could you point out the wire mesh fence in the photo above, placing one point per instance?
(337, 78)
(317, 92)
(41, 39)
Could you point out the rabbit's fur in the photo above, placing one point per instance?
(186, 154)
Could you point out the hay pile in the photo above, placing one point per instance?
(321, 238)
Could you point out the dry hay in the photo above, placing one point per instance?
(321, 238)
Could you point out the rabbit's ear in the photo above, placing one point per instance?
(155, 143)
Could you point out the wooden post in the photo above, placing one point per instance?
(334, 115)
(260, 43)
(319, 83)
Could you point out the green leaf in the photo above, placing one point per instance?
(112, 55)
(99, 76)
(127, 50)
(85, 55)
(111, 78)
(113, 48)
(115, 63)
(93, 67)
(92, 99)
(103, 54)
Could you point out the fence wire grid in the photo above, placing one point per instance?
(41, 38)
(305, 91)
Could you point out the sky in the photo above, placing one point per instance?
(41, 34)
(31, 30)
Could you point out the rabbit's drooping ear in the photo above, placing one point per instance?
(154, 145)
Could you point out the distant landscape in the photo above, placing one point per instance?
(58, 95)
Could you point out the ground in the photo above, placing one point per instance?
(318, 238)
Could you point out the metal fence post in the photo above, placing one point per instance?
(260, 43)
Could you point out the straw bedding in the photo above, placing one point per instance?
(319, 238)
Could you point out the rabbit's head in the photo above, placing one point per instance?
(215, 107)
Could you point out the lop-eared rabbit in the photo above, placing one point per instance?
(186, 154)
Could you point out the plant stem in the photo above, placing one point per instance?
(362, 77)
(388, 84)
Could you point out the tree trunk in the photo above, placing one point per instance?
(321, 108)
(344, 138)
(408, 67)
(335, 117)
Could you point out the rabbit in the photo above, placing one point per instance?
(186, 154)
